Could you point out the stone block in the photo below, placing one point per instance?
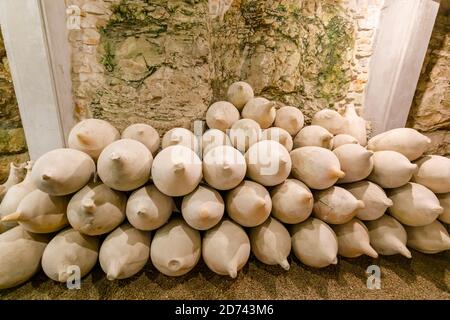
(90, 36)
(12, 141)
(95, 7)
(440, 142)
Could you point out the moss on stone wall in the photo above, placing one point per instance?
(9, 111)
(13, 146)
(156, 60)
(296, 52)
(165, 62)
(333, 76)
(108, 58)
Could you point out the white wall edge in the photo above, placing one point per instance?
(400, 47)
(36, 47)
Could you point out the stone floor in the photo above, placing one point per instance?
(422, 277)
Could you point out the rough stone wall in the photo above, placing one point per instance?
(165, 62)
(293, 52)
(430, 111)
(13, 146)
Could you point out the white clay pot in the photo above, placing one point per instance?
(391, 169)
(221, 115)
(224, 167)
(434, 173)
(317, 167)
(185, 248)
(12, 198)
(271, 243)
(91, 136)
(226, 248)
(356, 162)
(388, 237)
(143, 133)
(62, 171)
(239, 93)
(335, 205)
(261, 110)
(203, 208)
(124, 252)
(268, 163)
(314, 243)
(70, 251)
(40, 212)
(292, 201)
(125, 165)
(176, 171)
(355, 125)
(244, 133)
(330, 120)
(15, 176)
(20, 256)
(406, 141)
(444, 200)
(431, 238)
(148, 208)
(314, 136)
(375, 199)
(180, 137)
(290, 119)
(249, 204)
(96, 209)
(341, 139)
(213, 138)
(353, 240)
(279, 135)
(414, 205)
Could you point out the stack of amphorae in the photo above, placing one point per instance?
(256, 181)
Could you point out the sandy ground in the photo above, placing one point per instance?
(422, 277)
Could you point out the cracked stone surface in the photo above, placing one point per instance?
(165, 62)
